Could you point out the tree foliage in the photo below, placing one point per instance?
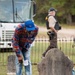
(66, 8)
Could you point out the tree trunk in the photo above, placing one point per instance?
(68, 18)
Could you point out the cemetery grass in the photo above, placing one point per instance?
(36, 54)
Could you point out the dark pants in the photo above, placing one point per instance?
(53, 43)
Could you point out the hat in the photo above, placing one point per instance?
(29, 25)
(52, 9)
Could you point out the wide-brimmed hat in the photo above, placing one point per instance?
(30, 26)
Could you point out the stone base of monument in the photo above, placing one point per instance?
(55, 63)
(11, 70)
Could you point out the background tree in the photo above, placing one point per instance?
(66, 9)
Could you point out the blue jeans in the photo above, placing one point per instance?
(28, 68)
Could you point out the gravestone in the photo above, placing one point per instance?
(11, 70)
(55, 63)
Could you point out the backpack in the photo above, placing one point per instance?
(57, 26)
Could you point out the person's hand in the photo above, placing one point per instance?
(56, 31)
(20, 59)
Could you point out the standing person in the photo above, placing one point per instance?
(53, 27)
(23, 37)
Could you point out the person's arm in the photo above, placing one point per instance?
(15, 44)
(31, 39)
(52, 22)
(35, 33)
(53, 29)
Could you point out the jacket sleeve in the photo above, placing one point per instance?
(35, 34)
(15, 43)
(31, 39)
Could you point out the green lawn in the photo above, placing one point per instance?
(39, 48)
(36, 53)
(72, 26)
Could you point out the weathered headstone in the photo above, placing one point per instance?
(55, 63)
(11, 70)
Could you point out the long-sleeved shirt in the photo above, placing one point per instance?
(22, 40)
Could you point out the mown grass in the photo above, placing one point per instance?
(43, 25)
(68, 26)
(36, 53)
